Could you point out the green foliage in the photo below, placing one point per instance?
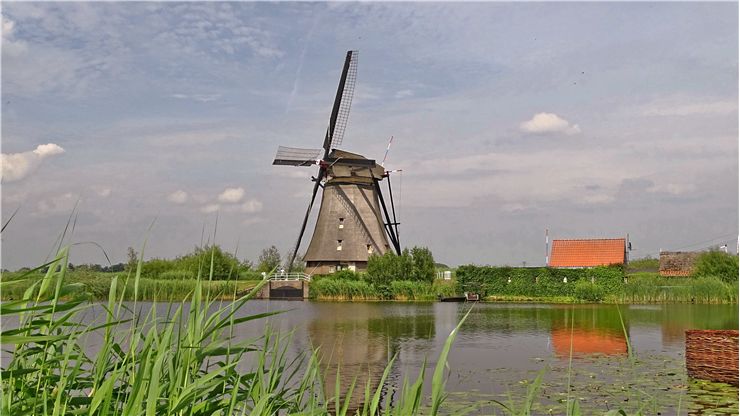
(250, 275)
(717, 264)
(424, 270)
(535, 282)
(176, 275)
(652, 288)
(268, 260)
(645, 264)
(225, 265)
(588, 292)
(415, 290)
(347, 274)
(155, 267)
(344, 289)
(416, 264)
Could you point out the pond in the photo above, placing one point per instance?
(502, 348)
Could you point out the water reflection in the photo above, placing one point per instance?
(588, 330)
(357, 346)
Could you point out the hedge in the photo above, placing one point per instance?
(540, 281)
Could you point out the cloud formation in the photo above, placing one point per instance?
(231, 195)
(17, 166)
(549, 123)
(251, 206)
(178, 197)
(210, 208)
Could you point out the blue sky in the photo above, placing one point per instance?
(590, 119)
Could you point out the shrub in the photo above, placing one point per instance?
(250, 275)
(423, 264)
(177, 275)
(345, 289)
(345, 274)
(536, 281)
(645, 264)
(153, 268)
(587, 291)
(225, 265)
(717, 264)
(416, 264)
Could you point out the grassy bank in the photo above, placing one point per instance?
(96, 285)
(344, 289)
(652, 288)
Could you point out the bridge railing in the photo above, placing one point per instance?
(289, 276)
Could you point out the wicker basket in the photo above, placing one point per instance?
(712, 355)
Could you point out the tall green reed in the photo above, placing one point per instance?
(184, 361)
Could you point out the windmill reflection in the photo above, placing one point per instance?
(360, 346)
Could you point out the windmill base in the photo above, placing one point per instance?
(329, 267)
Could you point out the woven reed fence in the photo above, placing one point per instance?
(712, 355)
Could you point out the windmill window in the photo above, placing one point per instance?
(339, 245)
(341, 223)
(369, 249)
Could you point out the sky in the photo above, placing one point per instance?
(159, 122)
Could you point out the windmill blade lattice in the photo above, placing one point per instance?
(294, 156)
(346, 103)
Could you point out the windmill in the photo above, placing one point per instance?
(349, 227)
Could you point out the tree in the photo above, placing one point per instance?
(389, 267)
(133, 259)
(298, 265)
(225, 264)
(717, 264)
(423, 264)
(268, 260)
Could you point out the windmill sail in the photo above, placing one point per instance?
(342, 103)
(294, 156)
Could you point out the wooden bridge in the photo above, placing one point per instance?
(280, 285)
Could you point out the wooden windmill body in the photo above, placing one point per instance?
(350, 226)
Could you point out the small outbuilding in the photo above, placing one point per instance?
(677, 263)
(582, 253)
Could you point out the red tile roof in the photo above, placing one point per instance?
(587, 253)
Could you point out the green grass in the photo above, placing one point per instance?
(97, 285)
(652, 288)
(329, 288)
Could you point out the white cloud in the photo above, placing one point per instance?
(203, 98)
(16, 166)
(231, 195)
(102, 191)
(59, 204)
(48, 149)
(210, 208)
(178, 197)
(251, 206)
(8, 27)
(549, 123)
(673, 188)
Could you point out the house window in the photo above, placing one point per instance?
(369, 249)
(341, 223)
(339, 245)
